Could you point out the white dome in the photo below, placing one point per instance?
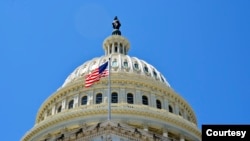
(119, 63)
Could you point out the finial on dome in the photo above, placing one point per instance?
(116, 25)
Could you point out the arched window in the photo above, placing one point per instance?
(170, 109)
(116, 49)
(84, 100)
(59, 109)
(71, 103)
(98, 99)
(114, 97)
(130, 98)
(158, 104)
(144, 100)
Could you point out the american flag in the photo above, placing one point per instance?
(96, 75)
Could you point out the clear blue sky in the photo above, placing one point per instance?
(201, 47)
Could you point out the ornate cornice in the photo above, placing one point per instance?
(134, 111)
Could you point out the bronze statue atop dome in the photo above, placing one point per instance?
(116, 25)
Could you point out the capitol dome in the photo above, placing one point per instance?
(143, 106)
(120, 63)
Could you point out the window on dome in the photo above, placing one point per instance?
(162, 79)
(84, 100)
(136, 65)
(59, 109)
(130, 98)
(114, 63)
(170, 109)
(158, 104)
(125, 64)
(144, 100)
(155, 74)
(98, 98)
(116, 49)
(114, 97)
(71, 103)
(146, 69)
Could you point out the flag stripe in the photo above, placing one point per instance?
(96, 75)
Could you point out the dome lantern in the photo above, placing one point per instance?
(116, 43)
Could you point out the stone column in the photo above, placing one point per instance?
(106, 49)
(53, 110)
(118, 48)
(79, 100)
(165, 103)
(145, 127)
(90, 98)
(176, 108)
(182, 138)
(185, 115)
(138, 97)
(105, 96)
(122, 96)
(152, 100)
(63, 104)
(110, 49)
(165, 133)
(76, 100)
(113, 48)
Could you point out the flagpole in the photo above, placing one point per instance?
(109, 93)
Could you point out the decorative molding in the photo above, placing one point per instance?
(134, 111)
